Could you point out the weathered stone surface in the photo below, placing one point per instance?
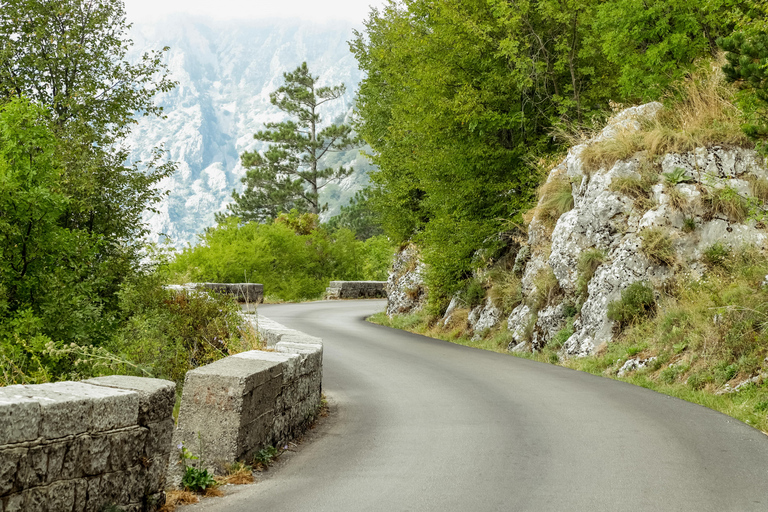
(110, 408)
(156, 396)
(240, 404)
(548, 323)
(406, 289)
(484, 317)
(356, 290)
(19, 416)
(518, 322)
(89, 448)
(61, 414)
(613, 223)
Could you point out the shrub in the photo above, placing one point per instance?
(657, 246)
(292, 257)
(637, 302)
(474, 293)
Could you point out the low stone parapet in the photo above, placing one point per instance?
(356, 290)
(234, 407)
(242, 292)
(82, 446)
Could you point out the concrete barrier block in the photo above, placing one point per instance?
(156, 396)
(110, 408)
(356, 290)
(19, 417)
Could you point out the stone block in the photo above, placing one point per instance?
(126, 448)
(14, 503)
(156, 396)
(19, 416)
(32, 467)
(61, 496)
(242, 292)
(94, 454)
(61, 414)
(110, 408)
(356, 289)
(158, 440)
(9, 467)
(64, 460)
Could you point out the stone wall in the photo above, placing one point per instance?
(232, 408)
(81, 446)
(356, 290)
(243, 292)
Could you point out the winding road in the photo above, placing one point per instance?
(425, 425)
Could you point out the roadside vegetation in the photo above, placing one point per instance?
(704, 339)
(294, 256)
(697, 343)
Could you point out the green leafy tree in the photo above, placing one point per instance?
(358, 216)
(655, 42)
(288, 175)
(70, 57)
(459, 99)
(747, 66)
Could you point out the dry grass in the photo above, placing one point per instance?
(726, 202)
(699, 112)
(547, 289)
(678, 200)
(657, 246)
(175, 498)
(555, 198)
(758, 187)
(505, 290)
(238, 473)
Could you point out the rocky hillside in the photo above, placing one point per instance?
(225, 74)
(636, 221)
(607, 231)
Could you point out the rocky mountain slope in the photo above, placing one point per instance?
(599, 229)
(225, 73)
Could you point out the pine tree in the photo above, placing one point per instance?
(289, 175)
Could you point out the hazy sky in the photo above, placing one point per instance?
(321, 10)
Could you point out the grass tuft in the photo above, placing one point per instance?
(589, 260)
(727, 202)
(657, 246)
(556, 198)
(699, 112)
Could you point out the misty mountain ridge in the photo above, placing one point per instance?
(225, 73)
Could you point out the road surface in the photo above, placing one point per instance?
(425, 425)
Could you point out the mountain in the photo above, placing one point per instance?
(225, 72)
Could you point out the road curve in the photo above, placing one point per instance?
(425, 425)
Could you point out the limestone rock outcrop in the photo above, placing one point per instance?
(607, 219)
(406, 290)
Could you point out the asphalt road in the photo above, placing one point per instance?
(424, 425)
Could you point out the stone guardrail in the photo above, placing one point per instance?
(243, 292)
(81, 446)
(232, 408)
(356, 290)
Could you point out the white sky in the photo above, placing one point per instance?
(320, 10)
